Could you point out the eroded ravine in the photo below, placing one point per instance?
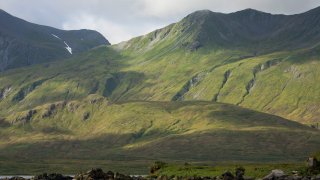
(257, 69)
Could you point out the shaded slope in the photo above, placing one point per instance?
(95, 129)
(23, 43)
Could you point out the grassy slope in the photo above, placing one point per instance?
(159, 65)
(146, 131)
(156, 67)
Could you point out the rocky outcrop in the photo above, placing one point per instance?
(5, 92)
(25, 118)
(86, 116)
(255, 71)
(24, 91)
(226, 76)
(194, 81)
(52, 109)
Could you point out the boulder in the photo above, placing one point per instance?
(227, 176)
(240, 173)
(275, 174)
(312, 162)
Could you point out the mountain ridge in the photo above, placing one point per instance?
(37, 43)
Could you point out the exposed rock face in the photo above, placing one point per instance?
(52, 109)
(86, 116)
(5, 92)
(23, 43)
(25, 118)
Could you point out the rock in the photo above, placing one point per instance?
(96, 174)
(275, 174)
(312, 162)
(240, 173)
(157, 166)
(99, 174)
(49, 111)
(194, 46)
(86, 116)
(53, 176)
(162, 177)
(227, 176)
(316, 177)
(4, 92)
(26, 117)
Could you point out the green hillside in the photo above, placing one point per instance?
(98, 131)
(181, 93)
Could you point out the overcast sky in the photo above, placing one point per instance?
(120, 20)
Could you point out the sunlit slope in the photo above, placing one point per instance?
(284, 83)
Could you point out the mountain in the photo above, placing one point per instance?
(213, 87)
(249, 58)
(23, 43)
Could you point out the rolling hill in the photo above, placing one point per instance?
(197, 90)
(23, 43)
(74, 135)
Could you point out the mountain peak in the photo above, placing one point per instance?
(200, 14)
(250, 12)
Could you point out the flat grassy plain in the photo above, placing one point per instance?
(251, 170)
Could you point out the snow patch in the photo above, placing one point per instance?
(68, 47)
(56, 36)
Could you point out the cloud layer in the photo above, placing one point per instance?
(120, 20)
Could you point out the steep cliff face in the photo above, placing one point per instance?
(23, 43)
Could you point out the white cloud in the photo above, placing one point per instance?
(113, 31)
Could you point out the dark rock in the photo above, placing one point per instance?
(86, 116)
(313, 163)
(53, 176)
(25, 118)
(99, 174)
(49, 111)
(227, 176)
(157, 166)
(240, 173)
